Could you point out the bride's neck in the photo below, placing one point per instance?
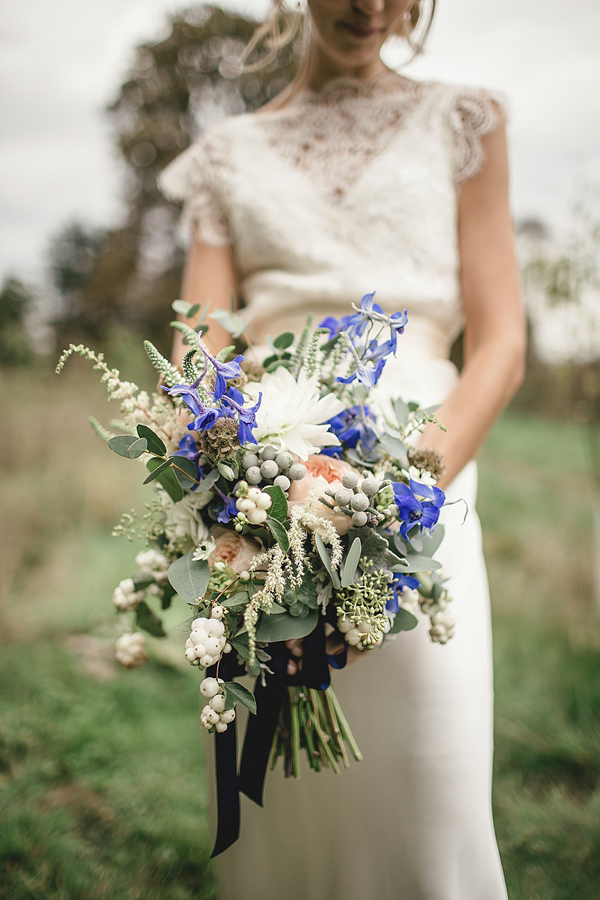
(318, 68)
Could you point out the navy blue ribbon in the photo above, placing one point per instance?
(260, 729)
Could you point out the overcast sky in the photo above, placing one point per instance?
(61, 62)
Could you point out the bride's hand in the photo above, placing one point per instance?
(334, 646)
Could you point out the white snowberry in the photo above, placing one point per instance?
(209, 687)
(214, 628)
(211, 715)
(199, 635)
(257, 516)
(245, 505)
(212, 646)
(131, 650)
(264, 501)
(353, 637)
(220, 726)
(228, 716)
(217, 612)
(217, 702)
(345, 626)
(206, 661)
(190, 654)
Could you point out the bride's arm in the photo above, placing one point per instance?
(209, 275)
(495, 333)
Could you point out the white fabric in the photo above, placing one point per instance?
(413, 820)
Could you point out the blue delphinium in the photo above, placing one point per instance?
(353, 425)
(204, 416)
(246, 416)
(397, 585)
(228, 510)
(414, 512)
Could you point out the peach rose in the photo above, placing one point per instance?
(233, 549)
(322, 472)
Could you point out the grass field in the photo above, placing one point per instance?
(100, 789)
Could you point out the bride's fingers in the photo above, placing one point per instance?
(334, 645)
(295, 647)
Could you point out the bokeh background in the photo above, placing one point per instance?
(101, 794)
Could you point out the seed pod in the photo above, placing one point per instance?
(359, 519)
(344, 496)
(370, 486)
(249, 460)
(268, 452)
(284, 460)
(253, 475)
(297, 472)
(350, 480)
(283, 482)
(269, 469)
(359, 502)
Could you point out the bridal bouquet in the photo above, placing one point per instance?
(285, 508)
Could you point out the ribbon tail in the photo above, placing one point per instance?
(260, 732)
(228, 798)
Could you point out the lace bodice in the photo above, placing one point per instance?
(347, 190)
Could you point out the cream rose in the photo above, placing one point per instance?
(233, 549)
(322, 472)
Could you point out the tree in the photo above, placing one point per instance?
(176, 87)
(15, 346)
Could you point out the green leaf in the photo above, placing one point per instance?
(180, 307)
(149, 621)
(417, 564)
(189, 577)
(278, 508)
(185, 471)
(351, 563)
(413, 406)
(432, 542)
(404, 621)
(393, 447)
(155, 445)
(284, 340)
(240, 694)
(187, 625)
(286, 627)
(137, 448)
(208, 482)
(401, 410)
(276, 609)
(279, 533)
(167, 479)
(158, 468)
(121, 444)
(230, 321)
(142, 581)
(240, 598)
(326, 560)
(192, 311)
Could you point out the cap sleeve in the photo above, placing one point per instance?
(191, 178)
(473, 114)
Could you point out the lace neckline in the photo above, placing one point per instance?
(334, 133)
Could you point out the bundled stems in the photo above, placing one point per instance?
(312, 720)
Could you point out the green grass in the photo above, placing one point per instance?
(101, 792)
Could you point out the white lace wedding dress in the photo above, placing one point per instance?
(351, 190)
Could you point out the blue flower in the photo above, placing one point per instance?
(188, 448)
(335, 326)
(397, 322)
(224, 371)
(228, 511)
(246, 417)
(365, 373)
(413, 512)
(376, 352)
(352, 425)
(205, 416)
(399, 582)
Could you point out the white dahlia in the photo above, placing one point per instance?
(291, 414)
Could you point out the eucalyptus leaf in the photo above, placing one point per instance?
(166, 478)
(393, 447)
(121, 444)
(240, 694)
(185, 471)
(401, 410)
(279, 533)
(230, 321)
(192, 311)
(189, 577)
(181, 307)
(148, 620)
(155, 445)
(432, 542)
(158, 468)
(417, 564)
(404, 621)
(137, 448)
(208, 482)
(240, 598)
(285, 627)
(326, 560)
(351, 563)
(278, 508)
(142, 581)
(284, 340)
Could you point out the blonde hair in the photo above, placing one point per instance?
(284, 24)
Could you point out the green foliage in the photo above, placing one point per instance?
(148, 621)
(285, 627)
(237, 693)
(189, 577)
(15, 346)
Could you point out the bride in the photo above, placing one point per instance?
(356, 178)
